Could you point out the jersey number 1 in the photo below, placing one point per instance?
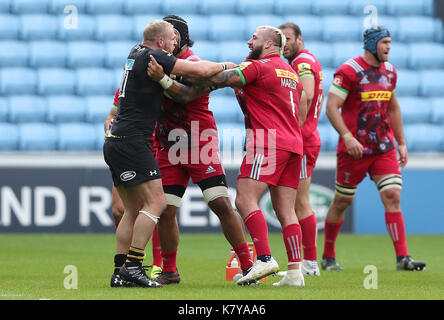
(128, 67)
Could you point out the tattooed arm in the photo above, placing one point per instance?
(182, 93)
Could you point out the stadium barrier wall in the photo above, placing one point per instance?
(72, 193)
(66, 192)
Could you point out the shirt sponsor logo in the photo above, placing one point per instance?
(376, 95)
(244, 64)
(127, 175)
(338, 81)
(286, 74)
(304, 68)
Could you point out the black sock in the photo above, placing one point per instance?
(119, 260)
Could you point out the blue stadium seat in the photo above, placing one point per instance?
(27, 108)
(100, 136)
(9, 135)
(438, 111)
(408, 8)
(97, 108)
(431, 83)
(227, 91)
(112, 27)
(116, 53)
(323, 52)
(117, 75)
(423, 137)
(37, 136)
(5, 6)
(207, 50)
(330, 7)
(311, 26)
(231, 137)
(82, 28)
(342, 51)
(225, 109)
(226, 27)
(13, 53)
(289, 7)
(415, 109)
(47, 54)
(4, 109)
(38, 27)
(408, 83)
(29, 6)
(209, 7)
(234, 51)
(94, 81)
(342, 28)
(104, 7)
(254, 21)
(323, 116)
(76, 136)
(356, 8)
(85, 54)
(197, 26)
(133, 7)
(58, 6)
(392, 24)
(66, 109)
(419, 28)
(327, 79)
(55, 81)
(426, 55)
(9, 26)
(181, 7)
(329, 137)
(17, 81)
(399, 55)
(140, 21)
(253, 7)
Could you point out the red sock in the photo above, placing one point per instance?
(258, 229)
(331, 231)
(169, 261)
(157, 253)
(396, 229)
(293, 242)
(309, 228)
(243, 254)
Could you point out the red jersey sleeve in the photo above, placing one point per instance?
(248, 72)
(116, 99)
(303, 67)
(342, 82)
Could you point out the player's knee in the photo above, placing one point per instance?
(221, 207)
(391, 197)
(340, 203)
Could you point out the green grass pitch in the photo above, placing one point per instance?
(33, 267)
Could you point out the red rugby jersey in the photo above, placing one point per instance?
(180, 116)
(306, 65)
(270, 102)
(367, 91)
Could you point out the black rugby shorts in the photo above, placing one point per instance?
(130, 160)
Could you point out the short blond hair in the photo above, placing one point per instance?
(277, 36)
(154, 29)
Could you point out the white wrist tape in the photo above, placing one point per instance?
(166, 82)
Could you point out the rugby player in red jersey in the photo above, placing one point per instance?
(310, 72)
(189, 123)
(269, 93)
(369, 121)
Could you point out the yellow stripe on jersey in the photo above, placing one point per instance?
(286, 74)
(376, 95)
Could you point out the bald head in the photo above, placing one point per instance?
(275, 35)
